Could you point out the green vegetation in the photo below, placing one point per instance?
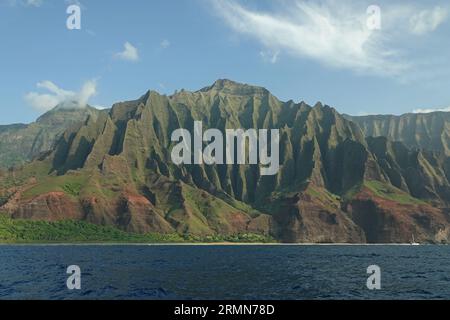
(424, 131)
(72, 188)
(27, 231)
(21, 143)
(71, 184)
(290, 190)
(391, 193)
(322, 194)
(352, 192)
(117, 165)
(238, 238)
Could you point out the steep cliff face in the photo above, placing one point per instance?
(333, 184)
(20, 143)
(429, 131)
(423, 174)
(313, 216)
(313, 141)
(388, 215)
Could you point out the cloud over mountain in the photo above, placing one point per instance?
(432, 110)
(57, 95)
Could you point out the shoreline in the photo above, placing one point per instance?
(219, 244)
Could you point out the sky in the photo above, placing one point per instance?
(361, 58)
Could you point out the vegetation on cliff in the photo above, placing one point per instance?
(28, 231)
(334, 183)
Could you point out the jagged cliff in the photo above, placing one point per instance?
(20, 143)
(334, 184)
(430, 131)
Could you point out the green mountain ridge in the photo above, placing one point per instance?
(429, 131)
(20, 143)
(334, 185)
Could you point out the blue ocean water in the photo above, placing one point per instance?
(225, 272)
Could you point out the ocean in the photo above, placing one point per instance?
(267, 272)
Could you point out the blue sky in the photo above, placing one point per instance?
(300, 50)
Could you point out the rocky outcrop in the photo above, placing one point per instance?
(137, 214)
(52, 206)
(314, 216)
(388, 221)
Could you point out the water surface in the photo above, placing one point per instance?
(224, 272)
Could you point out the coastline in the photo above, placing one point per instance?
(220, 244)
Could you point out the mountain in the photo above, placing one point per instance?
(334, 185)
(430, 131)
(20, 143)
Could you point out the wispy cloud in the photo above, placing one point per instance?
(58, 96)
(270, 56)
(432, 110)
(333, 33)
(129, 53)
(365, 113)
(26, 3)
(428, 20)
(34, 3)
(165, 44)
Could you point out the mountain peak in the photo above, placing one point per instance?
(231, 87)
(66, 113)
(226, 83)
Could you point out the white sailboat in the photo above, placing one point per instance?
(413, 242)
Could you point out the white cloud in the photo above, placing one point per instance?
(34, 3)
(165, 44)
(330, 32)
(58, 96)
(365, 113)
(335, 33)
(432, 110)
(428, 20)
(88, 90)
(130, 53)
(26, 3)
(269, 56)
